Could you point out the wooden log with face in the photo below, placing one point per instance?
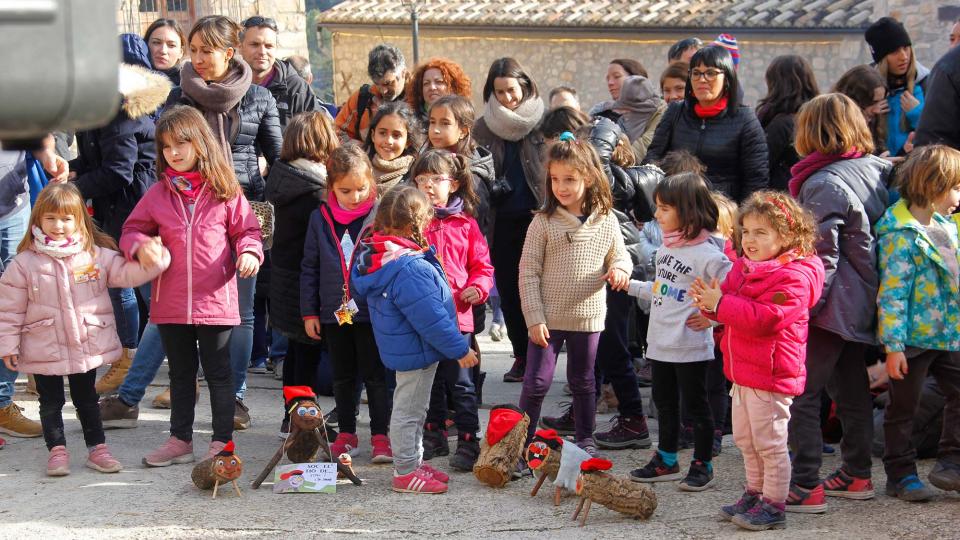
(543, 457)
(618, 494)
(224, 467)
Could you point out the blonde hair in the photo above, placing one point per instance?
(183, 123)
(66, 199)
(832, 124)
(404, 207)
(910, 78)
(727, 214)
(795, 224)
(928, 173)
(309, 135)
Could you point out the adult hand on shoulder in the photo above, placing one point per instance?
(539, 334)
(469, 360)
(897, 365)
(908, 101)
(248, 265)
(617, 278)
(312, 328)
(470, 295)
(12, 361)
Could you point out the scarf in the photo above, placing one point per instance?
(454, 206)
(57, 249)
(711, 111)
(218, 101)
(389, 173)
(317, 169)
(812, 163)
(513, 125)
(675, 239)
(345, 217)
(639, 102)
(187, 184)
(380, 249)
(785, 258)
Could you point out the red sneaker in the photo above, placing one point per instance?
(806, 501)
(436, 473)
(841, 484)
(419, 481)
(346, 443)
(381, 452)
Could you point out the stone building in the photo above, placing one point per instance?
(136, 15)
(571, 43)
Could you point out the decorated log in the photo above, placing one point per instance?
(618, 494)
(305, 447)
(543, 457)
(202, 474)
(225, 467)
(502, 446)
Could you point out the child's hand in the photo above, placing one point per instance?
(470, 295)
(312, 328)
(706, 297)
(698, 322)
(539, 334)
(617, 278)
(469, 360)
(248, 265)
(12, 361)
(896, 365)
(150, 254)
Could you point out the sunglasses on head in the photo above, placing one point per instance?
(258, 22)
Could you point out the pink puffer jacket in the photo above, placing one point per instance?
(766, 315)
(200, 287)
(57, 325)
(465, 257)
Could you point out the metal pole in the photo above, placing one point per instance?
(415, 19)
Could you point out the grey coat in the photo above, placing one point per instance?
(847, 198)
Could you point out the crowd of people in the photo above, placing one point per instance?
(764, 263)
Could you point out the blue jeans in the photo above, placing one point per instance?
(12, 229)
(146, 362)
(241, 338)
(127, 313)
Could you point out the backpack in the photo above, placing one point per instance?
(364, 99)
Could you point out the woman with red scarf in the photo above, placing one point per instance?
(712, 124)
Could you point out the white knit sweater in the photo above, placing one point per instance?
(562, 269)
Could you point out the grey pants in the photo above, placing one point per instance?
(410, 402)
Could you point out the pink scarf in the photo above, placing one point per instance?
(188, 184)
(70, 245)
(676, 239)
(813, 163)
(346, 217)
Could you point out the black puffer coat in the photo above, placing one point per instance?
(481, 167)
(259, 130)
(732, 145)
(782, 154)
(295, 194)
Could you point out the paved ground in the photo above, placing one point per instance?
(163, 503)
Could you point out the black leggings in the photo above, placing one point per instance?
(180, 341)
(84, 396)
(355, 357)
(689, 378)
(508, 237)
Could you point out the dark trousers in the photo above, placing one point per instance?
(613, 353)
(838, 366)
(84, 397)
(181, 342)
(354, 356)
(718, 394)
(900, 456)
(508, 237)
(457, 382)
(300, 364)
(670, 380)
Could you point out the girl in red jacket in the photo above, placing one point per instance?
(444, 177)
(764, 305)
(202, 217)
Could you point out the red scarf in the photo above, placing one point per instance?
(813, 163)
(346, 217)
(187, 184)
(712, 110)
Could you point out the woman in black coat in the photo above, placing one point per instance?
(711, 123)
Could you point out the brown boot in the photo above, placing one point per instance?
(113, 378)
(32, 385)
(13, 422)
(162, 401)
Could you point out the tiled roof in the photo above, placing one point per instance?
(641, 14)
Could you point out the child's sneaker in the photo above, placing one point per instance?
(258, 366)
(909, 488)
(100, 459)
(434, 442)
(172, 451)
(437, 473)
(699, 477)
(841, 484)
(58, 464)
(945, 475)
(761, 517)
(215, 448)
(801, 500)
(346, 443)
(468, 450)
(747, 501)
(419, 481)
(381, 451)
(562, 424)
(656, 471)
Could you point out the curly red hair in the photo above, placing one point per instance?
(453, 74)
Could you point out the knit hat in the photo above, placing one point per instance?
(885, 36)
(728, 42)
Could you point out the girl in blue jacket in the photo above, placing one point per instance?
(414, 322)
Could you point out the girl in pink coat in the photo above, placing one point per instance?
(56, 318)
(764, 305)
(200, 213)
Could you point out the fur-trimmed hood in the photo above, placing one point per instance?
(143, 90)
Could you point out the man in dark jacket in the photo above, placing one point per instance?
(258, 45)
(940, 120)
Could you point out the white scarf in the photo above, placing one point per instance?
(58, 249)
(516, 124)
(314, 167)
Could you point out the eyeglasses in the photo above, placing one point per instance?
(259, 22)
(709, 75)
(431, 179)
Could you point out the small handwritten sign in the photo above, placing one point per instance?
(305, 478)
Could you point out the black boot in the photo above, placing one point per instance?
(434, 442)
(468, 449)
(516, 371)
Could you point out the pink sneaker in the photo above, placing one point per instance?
(58, 464)
(346, 443)
(100, 459)
(215, 448)
(419, 481)
(172, 451)
(381, 453)
(436, 473)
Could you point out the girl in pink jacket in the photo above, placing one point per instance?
(56, 318)
(445, 178)
(764, 305)
(200, 213)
